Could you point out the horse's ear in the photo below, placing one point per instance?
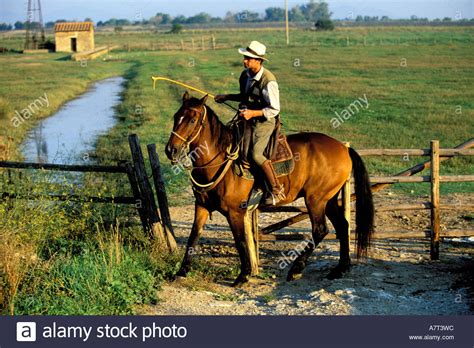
(203, 100)
(185, 96)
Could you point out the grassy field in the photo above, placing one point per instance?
(415, 93)
(417, 82)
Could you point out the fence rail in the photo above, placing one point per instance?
(437, 155)
(156, 226)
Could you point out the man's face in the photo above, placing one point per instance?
(252, 64)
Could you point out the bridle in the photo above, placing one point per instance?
(187, 142)
(231, 156)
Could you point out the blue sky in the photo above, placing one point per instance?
(13, 10)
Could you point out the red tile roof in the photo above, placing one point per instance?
(73, 26)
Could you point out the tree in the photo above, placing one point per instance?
(179, 20)
(229, 17)
(314, 11)
(161, 18)
(216, 20)
(5, 26)
(19, 25)
(274, 14)
(200, 18)
(164, 18)
(247, 16)
(296, 14)
(322, 11)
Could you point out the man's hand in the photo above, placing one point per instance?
(248, 114)
(220, 98)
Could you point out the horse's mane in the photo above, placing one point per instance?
(219, 130)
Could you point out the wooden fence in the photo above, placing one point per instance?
(156, 219)
(436, 155)
(156, 223)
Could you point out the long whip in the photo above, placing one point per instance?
(158, 78)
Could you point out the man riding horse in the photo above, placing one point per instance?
(259, 99)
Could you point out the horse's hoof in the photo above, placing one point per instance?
(293, 276)
(337, 272)
(334, 274)
(182, 273)
(241, 281)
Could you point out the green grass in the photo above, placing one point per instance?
(429, 97)
(70, 283)
(27, 77)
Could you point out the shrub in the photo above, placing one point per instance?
(324, 24)
(176, 29)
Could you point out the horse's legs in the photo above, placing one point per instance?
(335, 214)
(319, 230)
(200, 217)
(237, 225)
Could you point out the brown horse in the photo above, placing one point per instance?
(323, 167)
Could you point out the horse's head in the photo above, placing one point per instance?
(188, 124)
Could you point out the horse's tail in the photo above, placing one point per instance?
(364, 204)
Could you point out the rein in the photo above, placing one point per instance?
(230, 157)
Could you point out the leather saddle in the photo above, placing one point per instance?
(277, 150)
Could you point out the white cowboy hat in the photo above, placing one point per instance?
(254, 50)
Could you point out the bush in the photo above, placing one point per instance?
(324, 24)
(176, 29)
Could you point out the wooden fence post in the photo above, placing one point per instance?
(182, 45)
(146, 192)
(435, 209)
(202, 43)
(192, 42)
(213, 42)
(161, 196)
(136, 194)
(346, 201)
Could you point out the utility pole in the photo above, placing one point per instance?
(286, 21)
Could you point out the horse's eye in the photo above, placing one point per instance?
(193, 120)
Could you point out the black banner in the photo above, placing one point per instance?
(227, 331)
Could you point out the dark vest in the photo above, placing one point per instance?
(254, 97)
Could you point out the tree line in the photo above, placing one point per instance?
(316, 12)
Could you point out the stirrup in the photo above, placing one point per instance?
(281, 193)
(275, 197)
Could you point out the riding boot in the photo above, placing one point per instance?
(277, 192)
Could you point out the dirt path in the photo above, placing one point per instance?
(398, 277)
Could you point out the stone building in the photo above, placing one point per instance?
(74, 36)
